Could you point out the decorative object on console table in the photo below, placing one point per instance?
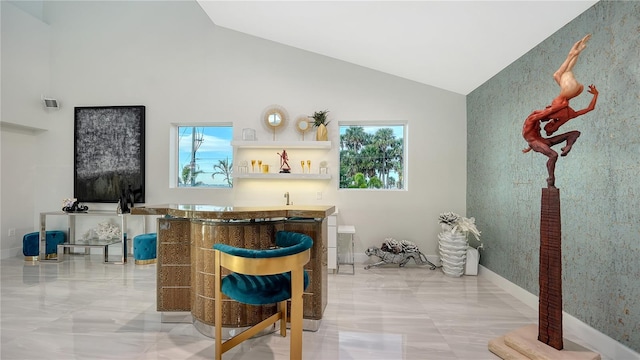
(126, 201)
(320, 121)
(453, 242)
(109, 153)
(72, 205)
(102, 232)
(284, 162)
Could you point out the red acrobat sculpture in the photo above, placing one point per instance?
(558, 113)
(517, 343)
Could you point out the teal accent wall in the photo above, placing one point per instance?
(599, 180)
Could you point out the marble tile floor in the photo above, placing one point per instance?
(84, 309)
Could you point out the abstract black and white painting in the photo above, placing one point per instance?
(109, 153)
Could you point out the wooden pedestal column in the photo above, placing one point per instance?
(550, 272)
(522, 343)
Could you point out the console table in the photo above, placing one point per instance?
(88, 244)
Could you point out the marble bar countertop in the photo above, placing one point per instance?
(218, 212)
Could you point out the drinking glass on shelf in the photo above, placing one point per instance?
(323, 167)
(309, 165)
(242, 168)
(259, 165)
(253, 165)
(302, 164)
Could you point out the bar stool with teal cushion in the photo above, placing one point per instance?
(31, 244)
(261, 277)
(144, 248)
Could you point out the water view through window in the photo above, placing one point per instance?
(205, 156)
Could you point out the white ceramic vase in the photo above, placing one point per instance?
(453, 252)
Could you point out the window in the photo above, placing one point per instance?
(372, 156)
(204, 156)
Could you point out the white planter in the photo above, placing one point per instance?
(473, 259)
(453, 252)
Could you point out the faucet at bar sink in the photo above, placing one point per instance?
(286, 195)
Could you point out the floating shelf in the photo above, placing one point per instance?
(312, 144)
(283, 176)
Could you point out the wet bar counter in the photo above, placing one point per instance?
(185, 274)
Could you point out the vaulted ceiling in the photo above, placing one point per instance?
(453, 45)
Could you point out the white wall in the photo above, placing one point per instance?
(25, 78)
(25, 68)
(18, 173)
(171, 58)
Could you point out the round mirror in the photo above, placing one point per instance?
(274, 119)
(274, 116)
(302, 124)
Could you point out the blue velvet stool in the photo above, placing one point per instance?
(144, 248)
(31, 244)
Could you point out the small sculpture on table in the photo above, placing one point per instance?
(284, 162)
(72, 205)
(126, 201)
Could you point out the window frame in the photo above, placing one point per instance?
(381, 124)
(174, 154)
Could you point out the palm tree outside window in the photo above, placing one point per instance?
(205, 156)
(372, 156)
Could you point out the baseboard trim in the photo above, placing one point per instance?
(599, 342)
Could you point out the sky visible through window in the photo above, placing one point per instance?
(212, 145)
(398, 130)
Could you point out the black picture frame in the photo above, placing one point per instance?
(109, 153)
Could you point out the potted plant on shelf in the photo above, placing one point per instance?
(320, 121)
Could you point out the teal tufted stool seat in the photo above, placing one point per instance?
(259, 290)
(144, 248)
(31, 244)
(261, 277)
(264, 289)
